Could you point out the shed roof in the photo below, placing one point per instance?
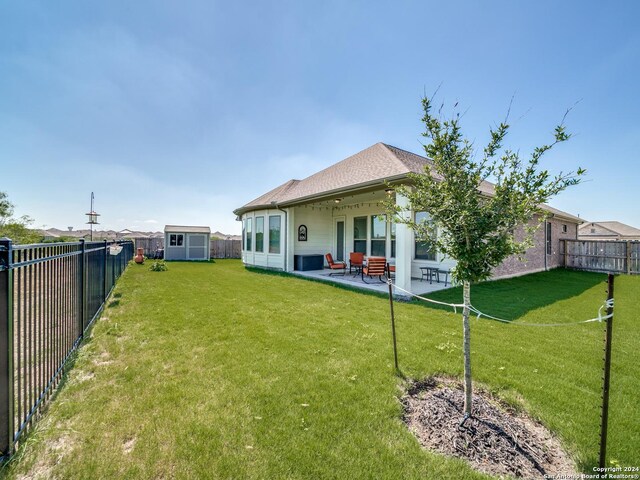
(186, 229)
(373, 166)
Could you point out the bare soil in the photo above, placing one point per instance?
(496, 440)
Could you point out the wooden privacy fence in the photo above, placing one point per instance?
(601, 255)
(149, 245)
(225, 249)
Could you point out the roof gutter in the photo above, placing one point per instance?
(323, 195)
(363, 186)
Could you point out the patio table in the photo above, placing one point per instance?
(446, 276)
(431, 273)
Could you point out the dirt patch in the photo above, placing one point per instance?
(497, 440)
(56, 450)
(127, 447)
(103, 359)
(83, 376)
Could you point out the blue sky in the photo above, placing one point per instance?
(179, 112)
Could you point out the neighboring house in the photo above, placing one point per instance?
(49, 235)
(607, 231)
(99, 235)
(223, 236)
(339, 210)
(126, 233)
(186, 242)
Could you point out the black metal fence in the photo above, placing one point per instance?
(49, 295)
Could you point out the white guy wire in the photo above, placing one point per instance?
(607, 304)
(454, 305)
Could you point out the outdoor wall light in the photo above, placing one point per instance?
(338, 200)
(389, 191)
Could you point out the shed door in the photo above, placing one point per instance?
(196, 247)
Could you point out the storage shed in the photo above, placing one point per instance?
(186, 242)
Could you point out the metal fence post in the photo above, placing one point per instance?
(104, 283)
(6, 348)
(82, 280)
(607, 377)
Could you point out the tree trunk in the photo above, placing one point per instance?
(466, 347)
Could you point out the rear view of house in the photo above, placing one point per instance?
(339, 210)
(186, 242)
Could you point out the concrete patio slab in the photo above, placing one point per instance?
(418, 287)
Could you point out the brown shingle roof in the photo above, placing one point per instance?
(617, 227)
(275, 195)
(375, 164)
(372, 166)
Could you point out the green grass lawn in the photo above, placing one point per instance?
(214, 371)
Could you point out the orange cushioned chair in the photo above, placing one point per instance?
(376, 267)
(356, 260)
(335, 265)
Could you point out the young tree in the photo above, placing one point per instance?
(474, 228)
(17, 229)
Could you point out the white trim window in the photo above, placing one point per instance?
(378, 236)
(549, 231)
(424, 250)
(360, 234)
(176, 239)
(260, 234)
(249, 235)
(274, 233)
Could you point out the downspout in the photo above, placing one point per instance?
(286, 232)
(546, 243)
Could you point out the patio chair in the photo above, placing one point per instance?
(335, 265)
(356, 260)
(376, 267)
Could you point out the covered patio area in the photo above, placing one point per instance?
(418, 286)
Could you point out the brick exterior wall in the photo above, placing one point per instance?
(534, 258)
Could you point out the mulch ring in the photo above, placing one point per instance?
(497, 440)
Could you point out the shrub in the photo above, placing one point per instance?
(160, 266)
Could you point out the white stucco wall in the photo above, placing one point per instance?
(320, 228)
